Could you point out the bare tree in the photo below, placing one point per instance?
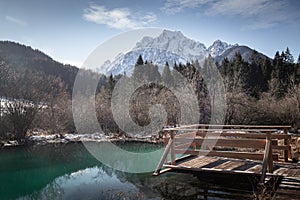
(56, 114)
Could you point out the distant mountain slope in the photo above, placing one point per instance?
(21, 57)
(245, 52)
(172, 46)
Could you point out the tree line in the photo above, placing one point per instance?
(258, 91)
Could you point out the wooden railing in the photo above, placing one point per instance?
(232, 141)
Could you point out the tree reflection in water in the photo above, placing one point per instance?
(70, 172)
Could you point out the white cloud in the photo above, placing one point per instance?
(15, 20)
(260, 13)
(118, 18)
(175, 6)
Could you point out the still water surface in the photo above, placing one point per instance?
(69, 171)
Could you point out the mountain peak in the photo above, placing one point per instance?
(170, 34)
(170, 46)
(176, 43)
(218, 47)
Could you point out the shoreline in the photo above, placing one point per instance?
(44, 139)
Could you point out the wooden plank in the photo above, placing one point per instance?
(266, 159)
(161, 172)
(287, 153)
(191, 162)
(270, 152)
(230, 165)
(292, 172)
(284, 147)
(188, 145)
(212, 170)
(164, 156)
(244, 135)
(229, 154)
(182, 159)
(166, 140)
(255, 169)
(208, 161)
(188, 134)
(231, 126)
(280, 171)
(240, 143)
(199, 161)
(173, 156)
(220, 129)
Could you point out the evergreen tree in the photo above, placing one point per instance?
(196, 64)
(288, 70)
(176, 74)
(139, 61)
(276, 83)
(180, 68)
(175, 67)
(240, 73)
(166, 75)
(151, 73)
(111, 82)
(266, 69)
(226, 71)
(287, 56)
(254, 79)
(138, 71)
(298, 71)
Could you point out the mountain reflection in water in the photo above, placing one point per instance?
(69, 171)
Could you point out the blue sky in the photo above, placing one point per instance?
(69, 31)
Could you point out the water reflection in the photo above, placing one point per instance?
(105, 183)
(99, 183)
(70, 172)
(90, 183)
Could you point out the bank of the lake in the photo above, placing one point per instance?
(41, 138)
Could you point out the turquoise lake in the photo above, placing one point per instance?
(70, 171)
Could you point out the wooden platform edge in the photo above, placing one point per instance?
(162, 172)
(213, 170)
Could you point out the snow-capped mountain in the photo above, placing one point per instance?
(218, 47)
(175, 42)
(126, 62)
(169, 46)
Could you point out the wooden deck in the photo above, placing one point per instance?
(196, 164)
(259, 151)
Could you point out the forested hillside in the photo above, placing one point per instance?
(23, 58)
(261, 91)
(36, 91)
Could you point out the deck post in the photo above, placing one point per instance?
(270, 156)
(287, 153)
(166, 139)
(266, 164)
(173, 157)
(163, 158)
(194, 143)
(203, 127)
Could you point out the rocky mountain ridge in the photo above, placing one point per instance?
(171, 47)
